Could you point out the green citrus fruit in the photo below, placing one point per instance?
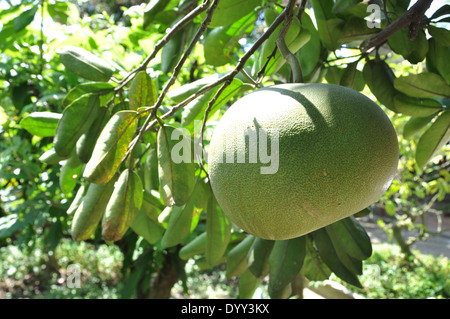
(331, 152)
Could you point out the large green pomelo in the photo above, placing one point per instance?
(338, 153)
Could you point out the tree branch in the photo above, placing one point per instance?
(410, 18)
(282, 46)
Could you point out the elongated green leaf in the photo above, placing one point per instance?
(416, 106)
(151, 10)
(415, 124)
(24, 19)
(237, 257)
(285, 260)
(437, 59)
(258, 257)
(356, 29)
(70, 173)
(76, 119)
(91, 209)
(414, 51)
(344, 5)
(351, 263)
(423, 85)
(142, 91)
(440, 34)
(248, 283)
(329, 256)
(85, 64)
(195, 247)
(229, 11)
(176, 169)
(222, 43)
(330, 32)
(147, 228)
(151, 176)
(123, 206)
(218, 233)
(111, 147)
(179, 225)
(436, 136)
(380, 79)
(51, 157)
(84, 88)
(78, 199)
(172, 51)
(314, 268)
(309, 54)
(195, 110)
(41, 124)
(181, 93)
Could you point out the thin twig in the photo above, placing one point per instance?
(282, 46)
(410, 18)
(161, 43)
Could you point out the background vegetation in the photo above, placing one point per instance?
(35, 238)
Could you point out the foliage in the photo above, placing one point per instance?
(195, 62)
(389, 275)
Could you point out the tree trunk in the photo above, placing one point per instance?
(162, 282)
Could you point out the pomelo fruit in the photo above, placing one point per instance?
(331, 152)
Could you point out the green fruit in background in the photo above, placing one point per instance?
(330, 153)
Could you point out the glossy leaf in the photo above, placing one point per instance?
(434, 138)
(309, 54)
(84, 88)
(76, 120)
(423, 85)
(415, 124)
(258, 257)
(85, 64)
(111, 147)
(329, 256)
(380, 79)
(229, 11)
(414, 51)
(195, 247)
(218, 233)
(437, 59)
(285, 260)
(142, 91)
(91, 209)
(25, 18)
(416, 106)
(69, 174)
(147, 228)
(237, 257)
(123, 206)
(175, 166)
(41, 124)
(314, 269)
(151, 176)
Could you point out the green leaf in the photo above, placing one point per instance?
(285, 262)
(440, 34)
(90, 210)
(151, 10)
(309, 54)
(76, 119)
(423, 85)
(415, 124)
(437, 59)
(401, 44)
(329, 256)
(416, 106)
(142, 91)
(434, 138)
(70, 173)
(183, 92)
(218, 233)
(172, 52)
(314, 269)
(24, 19)
(380, 79)
(85, 64)
(344, 5)
(123, 206)
(248, 284)
(41, 124)
(356, 29)
(195, 247)
(176, 169)
(88, 87)
(111, 147)
(147, 228)
(258, 257)
(222, 43)
(237, 257)
(229, 11)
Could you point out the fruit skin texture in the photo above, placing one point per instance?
(338, 153)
